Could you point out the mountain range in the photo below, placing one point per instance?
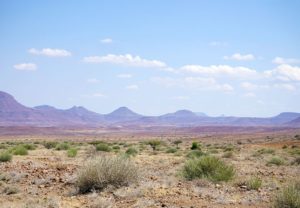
(12, 113)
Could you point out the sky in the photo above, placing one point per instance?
(234, 58)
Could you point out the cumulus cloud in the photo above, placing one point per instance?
(240, 57)
(194, 83)
(26, 66)
(51, 52)
(280, 60)
(126, 60)
(132, 87)
(106, 40)
(285, 72)
(124, 76)
(219, 70)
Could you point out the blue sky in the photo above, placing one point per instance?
(232, 57)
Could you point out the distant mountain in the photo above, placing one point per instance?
(15, 114)
(122, 114)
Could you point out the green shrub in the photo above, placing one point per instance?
(72, 152)
(131, 151)
(254, 183)
(195, 154)
(263, 151)
(154, 144)
(101, 172)
(29, 146)
(195, 146)
(177, 142)
(228, 154)
(116, 147)
(208, 167)
(62, 146)
(3, 146)
(5, 156)
(288, 197)
(275, 161)
(171, 150)
(20, 150)
(295, 151)
(50, 145)
(103, 147)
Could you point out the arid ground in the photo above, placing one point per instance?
(263, 162)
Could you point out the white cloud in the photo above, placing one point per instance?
(92, 80)
(180, 98)
(132, 87)
(107, 40)
(124, 76)
(52, 52)
(240, 57)
(280, 60)
(219, 70)
(194, 83)
(125, 60)
(26, 66)
(285, 72)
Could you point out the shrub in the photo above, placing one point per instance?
(254, 183)
(263, 151)
(177, 142)
(101, 172)
(20, 150)
(3, 146)
(29, 146)
(116, 147)
(195, 146)
(208, 167)
(8, 190)
(72, 152)
(228, 148)
(288, 197)
(5, 156)
(103, 147)
(195, 154)
(275, 161)
(62, 146)
(131, 151)
(154, 144)
(50, 145)
(171, 150)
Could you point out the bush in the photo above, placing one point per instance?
(154, 144)
(72, 152)
(195, 146)
(195, 154)
(296, 161)
(50, 145)
(171, 150)
(62, 146)
(5, 156)
(103, 147)
(288, 197)
(208, 167)
(131, 151)
(101, 172)
(254, 183)
(29, 146)
(116, 147)
(20, 150)
(263, 151)
(275, 161)
(177, 142)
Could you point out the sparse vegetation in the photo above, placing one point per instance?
(154, 144)
(5, 156)
(20, 150)
(254, 183)
(263, 151)
(103, 147)
(208, 167)
(288, 197)
(101, 172)
(72, 152)
(195, 154)
(131, 151)
(50, 145)
(171, 150)
(296, 161)
(62, 146)
(275, 161)
(228, 154)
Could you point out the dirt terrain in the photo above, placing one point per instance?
(47, 177)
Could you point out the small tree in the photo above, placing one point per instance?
(154, 144)
(177, 142)
(195, 146)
